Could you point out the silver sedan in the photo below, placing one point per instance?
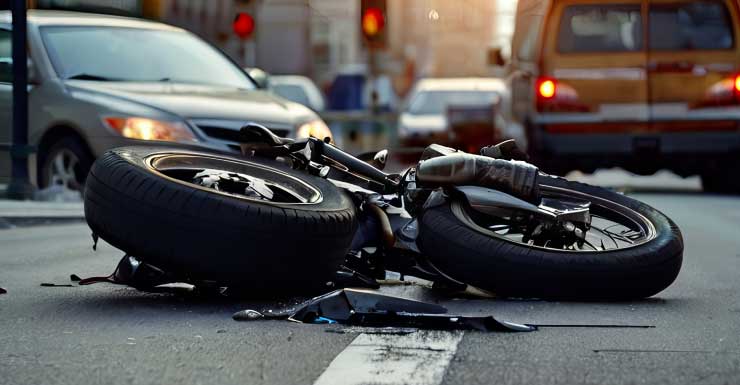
(99, 82)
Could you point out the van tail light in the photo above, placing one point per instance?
(725, 92)
(556, 96)
(546, 89)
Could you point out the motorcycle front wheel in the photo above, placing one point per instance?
(243, 223)
(630, 251)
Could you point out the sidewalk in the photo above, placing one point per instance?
(23, 213)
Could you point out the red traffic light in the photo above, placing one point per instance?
(373, 22)
(243, 25)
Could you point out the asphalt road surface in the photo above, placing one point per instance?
(106, 334)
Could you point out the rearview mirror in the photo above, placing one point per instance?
(260, 77)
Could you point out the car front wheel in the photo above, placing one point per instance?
(65, 164)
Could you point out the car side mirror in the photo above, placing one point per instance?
(6, 72)
(496, 57)
(260, 77)
(33, 76)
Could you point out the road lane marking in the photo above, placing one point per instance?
(419, 358)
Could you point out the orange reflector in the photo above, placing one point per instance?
(737, 83)
(547, 89)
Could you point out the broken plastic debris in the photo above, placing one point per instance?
(247, 315)
(366, 308)
(323, 320)
(47, 284)
(367, 330)
(3, 291)
(341, 305)
(605, 326)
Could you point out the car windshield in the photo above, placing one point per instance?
(436, 102)
(291, 92)
(140, 55)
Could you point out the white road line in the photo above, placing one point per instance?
(419, 358)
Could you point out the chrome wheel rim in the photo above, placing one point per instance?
(235, 178)
(63, 170)
(613, 226)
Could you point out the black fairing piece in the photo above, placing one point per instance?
(341, 305)
(366, 308)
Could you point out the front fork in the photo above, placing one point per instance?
(384, 243)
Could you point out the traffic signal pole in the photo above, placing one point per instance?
(20, 187)
(372, 25)
(373, 74)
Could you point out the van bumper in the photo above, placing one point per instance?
(685, 153)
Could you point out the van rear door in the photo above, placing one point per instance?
(692, 64)
(594, 68)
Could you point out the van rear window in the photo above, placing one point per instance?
(600, 28)
(699, 25)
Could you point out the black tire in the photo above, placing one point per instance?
(512, 269)
(73, 147)
(201, 234)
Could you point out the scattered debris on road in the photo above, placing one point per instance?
(367, 308)
(602, 326)
(367, 330)
(47, 284)
(247, 315)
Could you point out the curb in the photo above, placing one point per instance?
(30, 213)
(15, 222)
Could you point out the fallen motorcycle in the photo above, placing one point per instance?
(292, 215)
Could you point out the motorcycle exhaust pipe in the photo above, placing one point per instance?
(510, 176)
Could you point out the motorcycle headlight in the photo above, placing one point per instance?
(150, 129)
(316, 128)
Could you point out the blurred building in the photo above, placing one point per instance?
(443, 38)
(320, 38)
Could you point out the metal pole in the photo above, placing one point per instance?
(20, 187)
(373, 73)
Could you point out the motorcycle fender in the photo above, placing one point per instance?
(493, 202)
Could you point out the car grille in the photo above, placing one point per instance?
(230, 134)
(228, 131)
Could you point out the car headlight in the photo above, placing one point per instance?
(150, 129)
(316, 128)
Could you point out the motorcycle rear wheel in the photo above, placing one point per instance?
(511, 268)
(148, 202)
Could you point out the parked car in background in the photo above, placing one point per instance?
(644, 85)
(95, 86)
(299, 89)
(435, 106)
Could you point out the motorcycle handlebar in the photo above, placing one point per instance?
(377, 180)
